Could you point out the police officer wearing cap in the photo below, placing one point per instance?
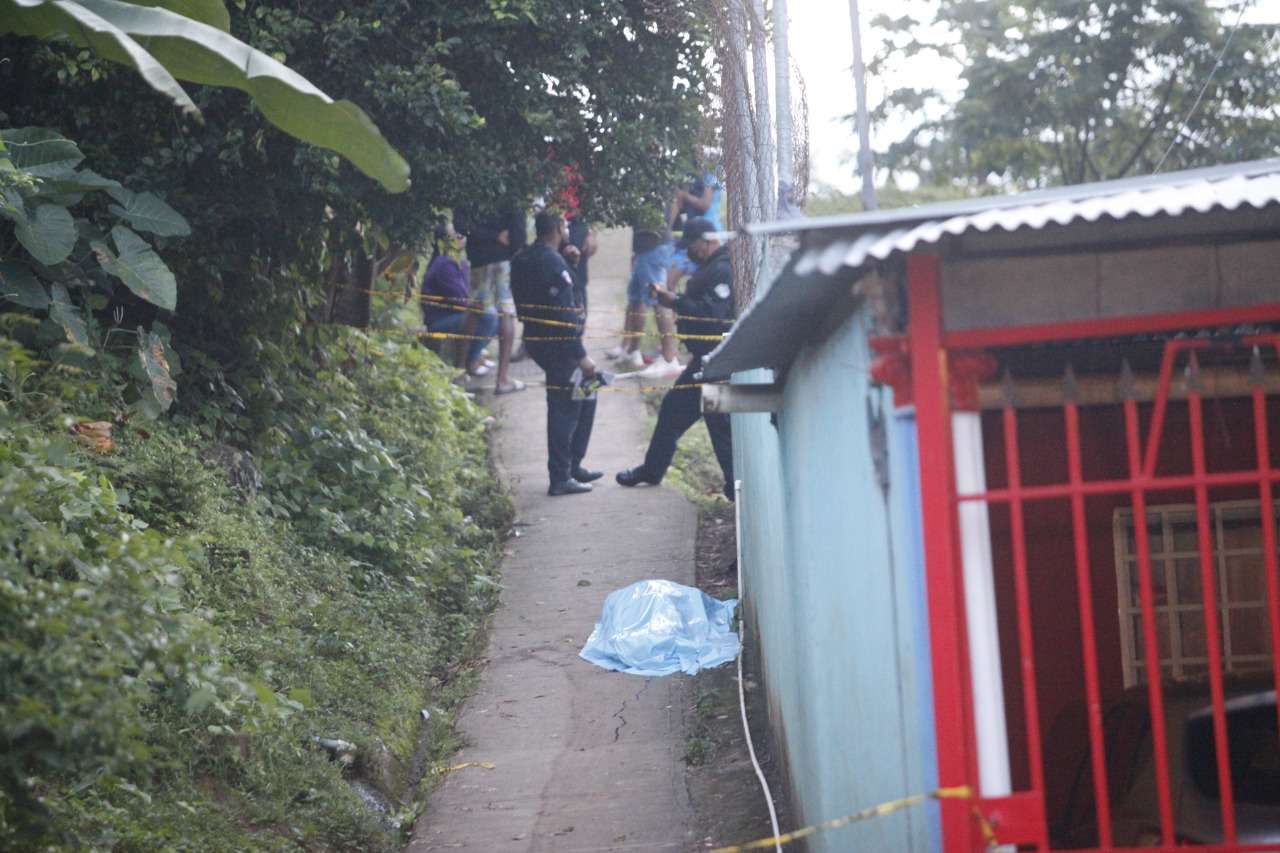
(543, 286)
(704, 309)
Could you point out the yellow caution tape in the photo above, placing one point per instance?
(454, 304)
(483, 765)
(960, 792)
(638, 388)
(458, 336)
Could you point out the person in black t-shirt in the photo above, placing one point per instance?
(491, 243)
(546, 297)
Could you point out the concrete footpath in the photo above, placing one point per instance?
(584, 759)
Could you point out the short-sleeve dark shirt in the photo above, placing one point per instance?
(547, 300)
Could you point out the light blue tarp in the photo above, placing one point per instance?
(659, 627)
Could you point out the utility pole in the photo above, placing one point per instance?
(768, 190)
(740, 151)
(782, 91)
(866, 163)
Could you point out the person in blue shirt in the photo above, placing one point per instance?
(699, 199)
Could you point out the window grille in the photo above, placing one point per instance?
(1175, 578)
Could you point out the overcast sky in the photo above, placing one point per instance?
(822, 48)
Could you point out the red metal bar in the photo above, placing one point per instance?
(947, 640)
(1213, 640)
(1111, 327)
(1116, 487)
(1016, 819)
(1198, 848)
(1088, 635)
(1162, 402)
(1155, 689)
(1022, 592)
(1267, 517)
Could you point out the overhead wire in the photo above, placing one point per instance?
(1231, 33)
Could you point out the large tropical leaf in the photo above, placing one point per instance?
(64, 312)
(139, 267)
(151, 353)
(211, 12)
(41, 152)
(69, 191)
(48, 233)
(84, 180)
(147, 212)
(200, 53)
(20, 286)
(45, 18)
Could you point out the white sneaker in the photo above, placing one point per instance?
(632, 359)
(615, 353)
(662, 369)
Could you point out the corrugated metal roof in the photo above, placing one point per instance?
(897, 217)
(765, 335)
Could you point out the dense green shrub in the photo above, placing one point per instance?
(174, 643)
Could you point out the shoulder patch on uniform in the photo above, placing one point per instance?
(722, 291)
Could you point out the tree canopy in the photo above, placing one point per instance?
(1069, 91)
(486, 102)
(165, 46)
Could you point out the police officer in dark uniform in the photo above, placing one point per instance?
(543, 286)
(705, 308)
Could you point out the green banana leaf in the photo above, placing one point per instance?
(211, 12)
(180, 47)
(46, 18)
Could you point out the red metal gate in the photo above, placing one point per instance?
(1020, 818)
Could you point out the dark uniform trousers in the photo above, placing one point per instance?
(680, 410)
(569, 421)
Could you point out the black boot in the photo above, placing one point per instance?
(568, 487)
(635, 476)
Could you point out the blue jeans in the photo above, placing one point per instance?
(486, 328)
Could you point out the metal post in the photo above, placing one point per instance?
(947, 641)
(1088, 633)
(740, 154)
(985, 668)
(1267, 510)
(1022, 594)
(1208, 594)
(764, 119)
(866, 163)
(782, 92)
(1146, 595)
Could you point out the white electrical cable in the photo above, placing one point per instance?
(742, 694)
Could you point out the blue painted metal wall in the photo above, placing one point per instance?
(833, 584)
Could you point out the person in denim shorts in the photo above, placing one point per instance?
(651, 255)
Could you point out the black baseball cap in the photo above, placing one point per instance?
(696, 229)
